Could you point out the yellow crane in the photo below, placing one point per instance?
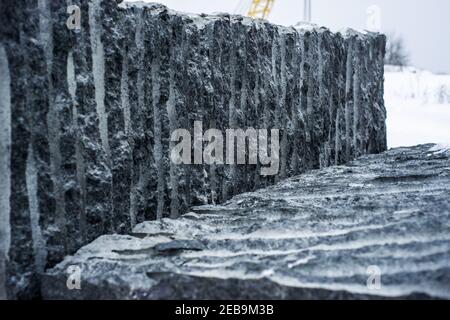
(260, 8)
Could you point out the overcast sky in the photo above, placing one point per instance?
(424, 24)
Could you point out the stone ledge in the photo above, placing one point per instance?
(309, 237)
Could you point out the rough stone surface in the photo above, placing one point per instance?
(86, 116)
(310, 237)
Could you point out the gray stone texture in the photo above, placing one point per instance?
(314, 236)
(86, 116)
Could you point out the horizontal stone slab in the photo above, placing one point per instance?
(316, 236)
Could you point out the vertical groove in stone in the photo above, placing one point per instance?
(39, 246)
(295, 108)
(232, 118)
(213, 174)
(54, 128)
(257, 103)
(276, 86)
(172, 115)
(157, 127)
(330, 125)
(46, 32)
(282, 109)
(356, 103)
(348, 99)
(308, 155)
(140, 175)
(302, 104)
(5, 169)
(275, 79)
(80, 162)
(98, 69)
(213, 103)
(124, 94)
(241, 173)
(337, 145)
(321, 75)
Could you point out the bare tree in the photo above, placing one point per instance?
(396, 53)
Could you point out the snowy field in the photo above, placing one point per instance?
(418, 107)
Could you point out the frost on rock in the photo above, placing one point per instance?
(80, 164)
(98, 66)
(39, 246)
(440, 149)
(304, 238)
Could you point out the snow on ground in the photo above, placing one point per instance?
(418, 107)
